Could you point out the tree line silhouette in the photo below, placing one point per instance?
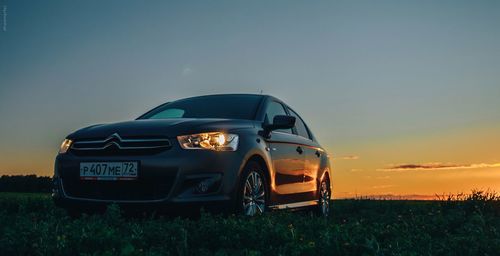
(25, 183)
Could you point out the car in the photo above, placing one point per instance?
(247, 153)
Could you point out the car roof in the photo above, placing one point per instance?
(228, 94)
(263, 96)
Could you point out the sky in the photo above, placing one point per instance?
(404, 95)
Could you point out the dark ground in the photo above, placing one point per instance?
(31, 225)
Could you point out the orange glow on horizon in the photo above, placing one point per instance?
(416, 167)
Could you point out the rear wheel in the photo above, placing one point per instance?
(253, 191)
(324, 197)
(74, 213)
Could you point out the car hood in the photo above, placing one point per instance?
(160, 127)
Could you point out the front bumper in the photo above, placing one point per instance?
(168, 179)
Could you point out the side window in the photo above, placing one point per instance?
(275, 109)
(299, 125)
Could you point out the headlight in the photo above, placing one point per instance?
(212, 140)
(65, 146)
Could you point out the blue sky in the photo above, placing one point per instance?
(361, 73)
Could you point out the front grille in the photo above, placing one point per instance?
(116, 145)
(144, 188)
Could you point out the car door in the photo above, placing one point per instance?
(288, 158)
(312, 154)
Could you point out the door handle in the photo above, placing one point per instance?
(300, 150)
(318, 154)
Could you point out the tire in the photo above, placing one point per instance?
(253, 194)
(74, 213)
(324, 200)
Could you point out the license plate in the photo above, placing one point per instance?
(108, 170)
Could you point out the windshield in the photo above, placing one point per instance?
(214, 106)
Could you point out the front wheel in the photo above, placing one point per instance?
(253, 191)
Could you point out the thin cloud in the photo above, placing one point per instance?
(436, 166)
(349, 157)
(383, 186)
(377, 178)
(356, 170)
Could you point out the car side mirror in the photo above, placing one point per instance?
(280, 122)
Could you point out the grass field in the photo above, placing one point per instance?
(31, 225)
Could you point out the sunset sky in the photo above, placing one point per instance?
(405, 95)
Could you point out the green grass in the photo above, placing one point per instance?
(31, 225)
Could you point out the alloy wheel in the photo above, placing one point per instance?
(254, 195)
(324, 199)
